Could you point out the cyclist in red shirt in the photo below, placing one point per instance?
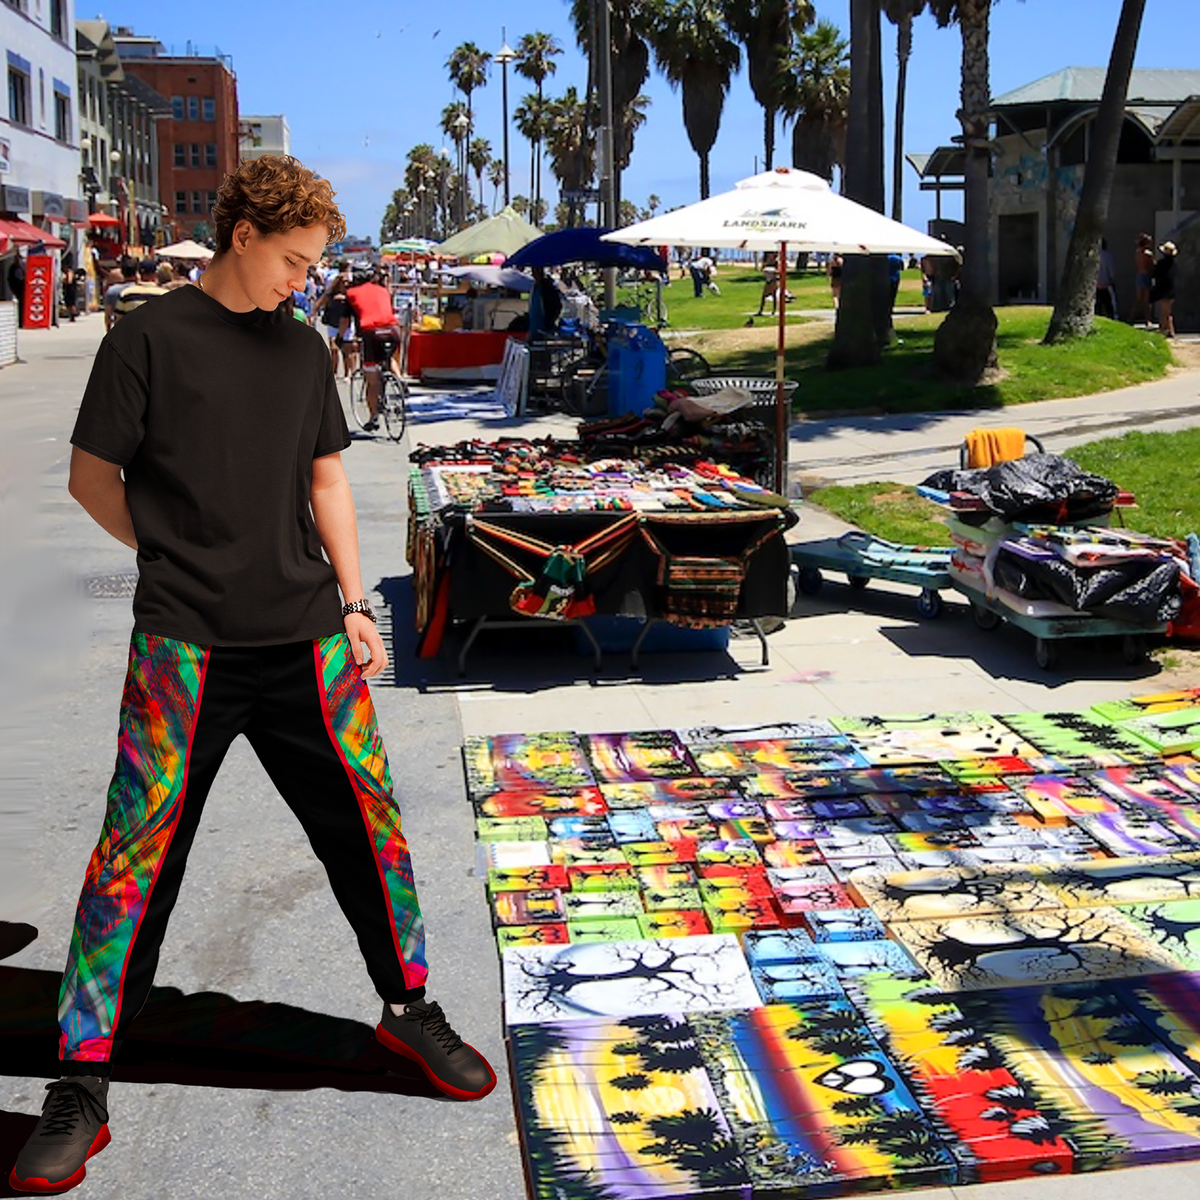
(371, 301)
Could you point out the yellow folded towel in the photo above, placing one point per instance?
(985, 447)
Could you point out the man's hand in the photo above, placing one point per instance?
(361, 630)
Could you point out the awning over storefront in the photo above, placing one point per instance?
(21, 233)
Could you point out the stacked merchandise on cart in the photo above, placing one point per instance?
(1031, 535)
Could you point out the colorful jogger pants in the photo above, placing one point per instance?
(307, 713)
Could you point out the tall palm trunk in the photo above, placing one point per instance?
(768, 136)
(965, 344)
(903, 52)
(1072, 316)
(856, 341)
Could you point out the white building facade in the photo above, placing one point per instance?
(39, 130)
(263, 135)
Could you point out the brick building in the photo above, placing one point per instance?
(198, 142)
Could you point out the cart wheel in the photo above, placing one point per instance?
(810, 580)
(1046, 653)
(929, 604)
(858, 582)
(1133, 649)
(985, 619)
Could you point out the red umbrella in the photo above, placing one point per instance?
(99, 220)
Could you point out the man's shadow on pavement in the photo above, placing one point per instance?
(207, 1040)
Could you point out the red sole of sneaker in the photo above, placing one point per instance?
(398, 1047)
(43, 1186)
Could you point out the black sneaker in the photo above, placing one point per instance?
(424, 1035)
(74, 1126)
(371, 425)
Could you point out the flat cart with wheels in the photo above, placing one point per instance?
(862, 557)
(990, 612)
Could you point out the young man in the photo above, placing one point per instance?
(238, 628)
(136, 294)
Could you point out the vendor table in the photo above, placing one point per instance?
(680, 566)
(463, 355)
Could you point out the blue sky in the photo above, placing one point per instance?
(361, 83)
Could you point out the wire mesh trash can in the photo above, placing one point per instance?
(762, 409)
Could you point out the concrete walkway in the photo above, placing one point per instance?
(256, 920)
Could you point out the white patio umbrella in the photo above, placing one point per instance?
(781, 210)
(185, 249)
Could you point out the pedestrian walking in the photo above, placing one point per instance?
(1162, 288)
(1106, 283)
(1143, 279)
(835, 279)
(113, 293)
(70, 290)
(243, 545)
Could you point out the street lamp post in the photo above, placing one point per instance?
(115, 183)
(444, 155)
(504, 56)
(462, 123)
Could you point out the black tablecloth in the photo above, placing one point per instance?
(480, 586)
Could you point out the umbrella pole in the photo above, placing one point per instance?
(781, 416)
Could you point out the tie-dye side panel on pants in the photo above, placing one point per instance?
(163, 686)
(350, 718)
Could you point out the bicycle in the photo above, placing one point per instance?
(393, 395)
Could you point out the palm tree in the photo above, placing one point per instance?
(570, 144)
(535, 61)
(468, 69)
(767, 28)
(964, 346)
(901, 13)
(694, 51)
(629, 53)
(815, 92)
(530, 118)
(1076, 302)
(633, 117)
(860, 330)
(495, 174)
(479, 154)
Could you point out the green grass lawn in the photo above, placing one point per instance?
(1115, 356)
(1155, 467)
(741, 288)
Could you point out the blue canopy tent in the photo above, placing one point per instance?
(584, 246)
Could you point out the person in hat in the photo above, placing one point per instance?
(1162, 288)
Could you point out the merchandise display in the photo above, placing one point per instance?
(814, 958)
(541, 529)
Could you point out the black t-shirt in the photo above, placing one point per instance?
(216, 417)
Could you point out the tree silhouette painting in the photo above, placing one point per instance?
(1052, 947)
(662, 975)
(697, 1141)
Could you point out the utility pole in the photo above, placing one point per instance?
(608, 201)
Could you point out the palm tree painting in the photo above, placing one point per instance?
(694, 50)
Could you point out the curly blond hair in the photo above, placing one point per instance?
(275, 193)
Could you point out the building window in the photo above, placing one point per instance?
(210, 108)
(58, 19)
(195, 154)
(180, 155)
(82, 96)
(197, 202)
(62, 117)
(18, 97)
(193, 108)
(177, 107)
(102, 96)
(210, 154)
(181, 202)
(212, 201)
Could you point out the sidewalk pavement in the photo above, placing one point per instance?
(256, 920)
